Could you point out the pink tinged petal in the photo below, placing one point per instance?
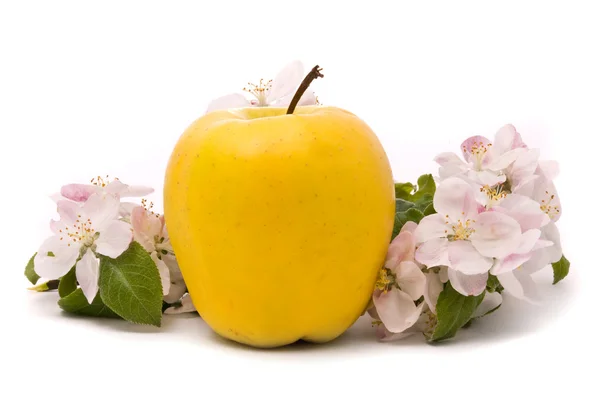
(542, 255)
(385, 335)
(433, 253)
(176, 292)
(524, 167)
(231, 101)
(501, 161)
(409, 226)
(78, 192)
(401, 248)
(163, 270)
(410, 279)
(551, 233)
(308, 98)
(525, 211)
(125, 208)
(101, 210)
(549, 169)
(520, 285)
(455, 198)
(65, 256)
(434, 287)
(431, 227)
(486, 177)
(491, 301)
(187, 305)
(473, 146)
(449, 158)
(467, 284)
(87, 272)
(510, 263)
(116, 187)
(396, 310)
(56, 197)
(547, 196)
(507, 138)
(495, 235)
(286, 81)
(465, 258)
(114, 239)
(528, 240)
(56, 226)
(145, 227)
(68, 212)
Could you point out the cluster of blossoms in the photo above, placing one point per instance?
(94, 222)
(494, 223)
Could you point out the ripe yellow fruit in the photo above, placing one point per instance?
(280, 223)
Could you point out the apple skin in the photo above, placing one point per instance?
(280, 223)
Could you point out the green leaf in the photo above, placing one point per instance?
(130, 286)
(429, 210)
(411, 193)
(76, 303)
(561, 269)
(414, 215)
(424, 202)
(68, 283)
(426, 186)
(454, 310)
(404, 190)
(493, 284)
(30, 273)
(403, 205)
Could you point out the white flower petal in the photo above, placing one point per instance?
(163, 270)
(186, 306)
(434, 287)
(524, 210)
(286, 81)
(528, 240)
(87, 271)
(486, 177)
(467, 284)
(396, 310)
(231, 101)
(430, 227)
(65, 255)
(444, 274)
(520, 285)
(410, 279)
(507, 138)
(449, 158)
(524, 167)
(101, 209)
(401, 248)
(126, 208)
(146, 227)
(547, 254)
(433, 252)
(545, 193)
(510, 263)
(409, 226)
(549, 168)
(491, 301)
(455, 198)
(114, 239)
(68, 211)
(500, 162)
(465, 258)
(495, 234)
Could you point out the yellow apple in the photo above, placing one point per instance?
(280, 222)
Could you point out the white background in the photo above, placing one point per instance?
(107, 87)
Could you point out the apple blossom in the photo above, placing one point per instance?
(150, 231)
(83, 231)
(277, 92)
(485, 162)
(465, 237)
(401, 282)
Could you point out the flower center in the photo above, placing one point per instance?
(477, 151)
(259, 91)
(547, 206)
(386, 280)
(81, 232)
(460, 230)
(494, 194)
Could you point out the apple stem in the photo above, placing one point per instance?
(311, 76)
